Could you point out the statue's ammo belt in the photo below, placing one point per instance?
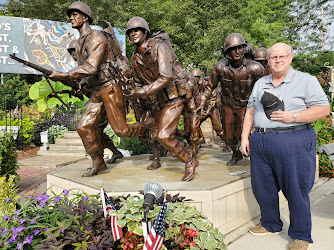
(234, 102)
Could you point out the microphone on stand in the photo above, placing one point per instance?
(152, 193)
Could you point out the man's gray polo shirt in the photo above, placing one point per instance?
(298, 91)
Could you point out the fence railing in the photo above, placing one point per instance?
(12, 118)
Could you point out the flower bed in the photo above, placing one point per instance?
(61, 222)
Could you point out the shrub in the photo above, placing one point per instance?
(110, 132)
(56, 131)
(325, 136)
(25, 131)
(134, 145)
(61, 119)
(8, 197)
(8, 156)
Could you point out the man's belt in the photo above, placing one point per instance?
(283, 129)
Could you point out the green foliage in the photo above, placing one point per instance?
(134, 145)
(8, 197)
(325, 135)
(25, 130)
(110, 132)
(198, 28)
(61, 221)
(56, 131)
(179, 216)
(40, 92)
(313, 62)
(8, 156)
(57, 222)
(14, 91)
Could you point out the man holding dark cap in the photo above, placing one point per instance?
(282, 147)
(271, 103)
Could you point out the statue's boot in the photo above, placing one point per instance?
(195, 147)
(163, 151)
(108, 143)
(236, 156)
(190, 164)
(115, 156)
(156, 159)
(201, 136)
(226, 148)
(98, 165)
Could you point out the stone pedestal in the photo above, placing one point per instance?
(227, 200)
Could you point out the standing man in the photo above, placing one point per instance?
(237, 75)
(261, 57)
(282, 147)
(156, 77)
(95, 64)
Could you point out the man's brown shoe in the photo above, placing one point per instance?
(300, 245)
(260, 230)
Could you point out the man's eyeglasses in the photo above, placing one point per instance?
(274, 58)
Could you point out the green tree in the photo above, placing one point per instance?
(313, 62)
(198, 28)
(14, 91)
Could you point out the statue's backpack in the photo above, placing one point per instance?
(179, 73)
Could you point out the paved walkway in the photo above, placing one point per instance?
(33, 172)
(322, 208)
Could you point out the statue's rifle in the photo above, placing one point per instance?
(46, 73)
(121, 66)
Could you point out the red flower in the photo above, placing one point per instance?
(192, 244)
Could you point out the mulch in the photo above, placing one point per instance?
(27, 152)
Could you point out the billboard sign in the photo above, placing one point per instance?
(41, 42)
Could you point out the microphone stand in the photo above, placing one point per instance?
(146, 223)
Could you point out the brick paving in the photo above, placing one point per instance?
(33, 180)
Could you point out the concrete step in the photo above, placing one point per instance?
(71, 135)
(63, 152)
(64, 147)
(70, 141)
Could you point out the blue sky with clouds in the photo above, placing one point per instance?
(2, 1)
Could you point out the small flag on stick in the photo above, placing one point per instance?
(108, 206)
(156, 236)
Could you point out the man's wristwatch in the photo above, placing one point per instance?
(294, 117)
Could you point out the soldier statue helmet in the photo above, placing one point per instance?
(196, 72)
(233, 40)
(137, 22)
(260, 54)
(82, 8)
(249, 51)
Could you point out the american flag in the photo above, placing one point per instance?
(156, 236)
(108, 206)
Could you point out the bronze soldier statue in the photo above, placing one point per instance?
(237, 76)
(249, 51)
(155, 76)
(197, 73)
(262, 57)
(190, 116)
(211, 108)
(95, 64)
(106, 141)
